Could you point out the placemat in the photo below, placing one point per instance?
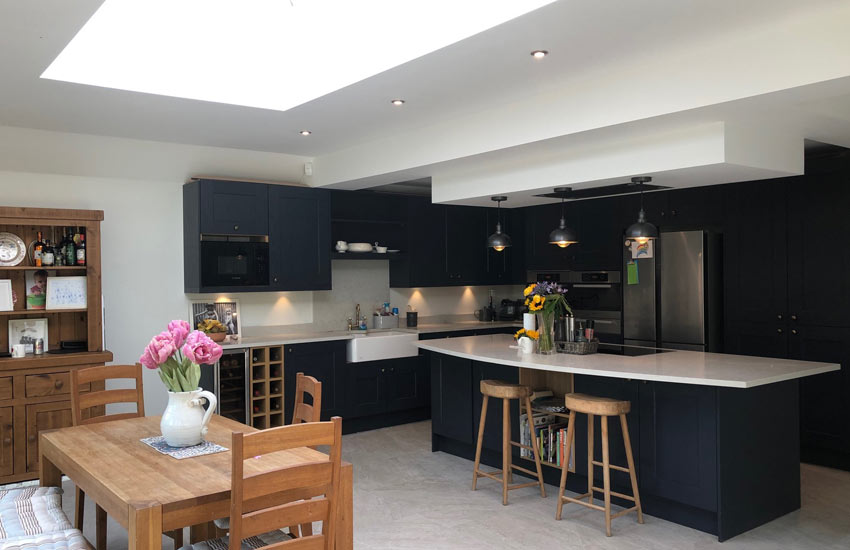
(203, 448)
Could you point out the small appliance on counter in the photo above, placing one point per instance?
(412, 317)
(510, 310)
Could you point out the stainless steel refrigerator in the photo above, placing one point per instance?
(674, 298)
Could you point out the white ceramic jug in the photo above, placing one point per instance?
(184, 422)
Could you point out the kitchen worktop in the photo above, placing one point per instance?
(304, 336)
(683, 367)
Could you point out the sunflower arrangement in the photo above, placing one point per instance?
(522, 333)
(546, 297)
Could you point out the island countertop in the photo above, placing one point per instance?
(682, 367)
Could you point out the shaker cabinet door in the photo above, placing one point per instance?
(234, 208)
(299, 238)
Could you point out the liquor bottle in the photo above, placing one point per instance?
(76, 238)
(68, 248)
(37, 250)
(48, 256)
(81, 250)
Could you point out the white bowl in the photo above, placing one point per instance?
(381, 249)
(359, 247)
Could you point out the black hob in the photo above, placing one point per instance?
(630, 351)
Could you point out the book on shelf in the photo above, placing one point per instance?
(550, 434)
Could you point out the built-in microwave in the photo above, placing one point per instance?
(234, 260)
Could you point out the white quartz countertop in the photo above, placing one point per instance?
(682, 367)
(309, 336)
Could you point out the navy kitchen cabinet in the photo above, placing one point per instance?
(539, 222)
(678, 443)
(465, 254)
(366, 388)
(507, 266)
(299, 238)
(233, 207)
(451, 397)
(493, 424)
(324, 361)
(423, 262)
(407, 383)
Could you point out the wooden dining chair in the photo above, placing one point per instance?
(262, 502)
(81, 405)
(304, 412)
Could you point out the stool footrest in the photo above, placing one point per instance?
(524, 470)
(523, 485)
(521, 446)
(615, 494)
(583, 503)
(612, 466)
(624, 512)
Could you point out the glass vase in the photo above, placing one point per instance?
(546, 330)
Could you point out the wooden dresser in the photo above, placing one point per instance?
(34, 391)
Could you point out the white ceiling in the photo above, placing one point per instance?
(466, 102)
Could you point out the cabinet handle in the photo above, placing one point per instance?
(793, 317)
(383, 370)
(31, 438)
(392, 369)
(779, 316)
(58, 384)
(779, 330)
(793, 331)
(274, 279)
(236, 228)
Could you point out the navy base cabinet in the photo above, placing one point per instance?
(324, 361)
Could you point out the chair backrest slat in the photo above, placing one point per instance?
(317, 474)
(292, 513)
(262, 502)
(304, 412)
(268, 441)
(82, 402)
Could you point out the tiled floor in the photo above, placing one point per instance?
(406, 497)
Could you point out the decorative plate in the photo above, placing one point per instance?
(12, 250)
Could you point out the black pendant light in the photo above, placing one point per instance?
(641, 231)
(563, 236)
(498, 241)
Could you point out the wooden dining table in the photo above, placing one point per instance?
(150, 493)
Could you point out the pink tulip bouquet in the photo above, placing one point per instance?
(178, 354)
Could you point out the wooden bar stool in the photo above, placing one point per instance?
(505, 391)
(602, 407)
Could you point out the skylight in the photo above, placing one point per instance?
(272, 54)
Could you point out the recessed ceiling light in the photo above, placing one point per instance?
(539, 54)
(397, 102)
(305, 132)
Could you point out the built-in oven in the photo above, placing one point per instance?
(593, 296)
(228, 379)
(234, 260)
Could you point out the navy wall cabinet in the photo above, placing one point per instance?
(324, 361)
(296, 221)
(233, 207)
(300, 238)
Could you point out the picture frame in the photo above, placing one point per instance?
(7, 302)
(226, 312)
(27, 331)
(35, 282)
(67, 292)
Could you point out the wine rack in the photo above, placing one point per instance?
(231, 398)
(266, 387)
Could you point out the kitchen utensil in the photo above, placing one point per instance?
(359, 247)
(12, 250)
(412, 318)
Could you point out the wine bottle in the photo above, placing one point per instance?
(81, 250)
(37, 250)
(47, 255)
(68, 248)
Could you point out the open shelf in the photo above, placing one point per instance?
(41, 311)
(367, 256)
(45, 267)
(369, 222)
(266, 386)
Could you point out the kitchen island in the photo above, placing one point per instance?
(715, 437)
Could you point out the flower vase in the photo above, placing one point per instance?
(184, 422)
(546, 333)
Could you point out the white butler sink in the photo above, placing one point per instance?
(375, 346)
